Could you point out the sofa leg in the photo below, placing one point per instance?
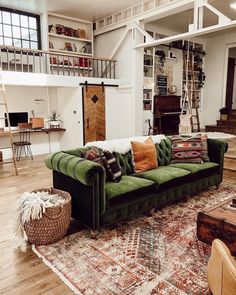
(217, 186)
(151, 212)
(94, 234)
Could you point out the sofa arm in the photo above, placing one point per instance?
(86, 172)
(216, 150)
(75, 167)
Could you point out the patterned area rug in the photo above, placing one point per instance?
(153, 255)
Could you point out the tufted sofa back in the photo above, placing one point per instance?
(125, 161)
(163, 151)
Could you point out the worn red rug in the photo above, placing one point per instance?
(159, 254)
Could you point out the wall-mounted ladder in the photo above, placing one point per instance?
(3, 105)
(192, 101)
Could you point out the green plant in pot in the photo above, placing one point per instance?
(54, 119)
(224, 112)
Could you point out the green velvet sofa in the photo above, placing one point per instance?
(97, 203)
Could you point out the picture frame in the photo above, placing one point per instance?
(68, 46)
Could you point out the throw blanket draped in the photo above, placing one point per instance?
(31, 206)
(123, 145)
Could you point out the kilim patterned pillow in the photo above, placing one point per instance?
(94, 155)
(187, 150)
(113, 169)
(205, 156)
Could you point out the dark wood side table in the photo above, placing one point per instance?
(218, 222)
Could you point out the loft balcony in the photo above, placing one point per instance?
(52, 68)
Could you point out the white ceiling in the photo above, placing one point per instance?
(85, 9)
(179, 22)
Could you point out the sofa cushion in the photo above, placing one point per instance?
(128, 188)
(199, 170)
(205, 156)
(187, 150)
(144, 155)
(165, 177)
(112, 167)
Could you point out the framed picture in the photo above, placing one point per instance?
(68, 46)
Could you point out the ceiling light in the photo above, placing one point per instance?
(233, 5)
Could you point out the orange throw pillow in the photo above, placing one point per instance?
(144, 155)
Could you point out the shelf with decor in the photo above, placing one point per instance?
(70, 35)
(69, 52)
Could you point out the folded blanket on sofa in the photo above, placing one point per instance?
(123, 145)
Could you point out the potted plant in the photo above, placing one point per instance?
(224, 112)
(54, 119)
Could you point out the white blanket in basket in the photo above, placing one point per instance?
(31, 206)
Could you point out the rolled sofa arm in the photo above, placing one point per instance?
(216, 150)
(86, 172)
(75, 167)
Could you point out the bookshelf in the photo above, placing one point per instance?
(70, 35)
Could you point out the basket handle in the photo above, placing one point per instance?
(54, 217)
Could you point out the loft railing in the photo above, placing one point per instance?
(41, 61)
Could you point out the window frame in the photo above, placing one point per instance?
(25, 13)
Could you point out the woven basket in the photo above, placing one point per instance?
(54, 223)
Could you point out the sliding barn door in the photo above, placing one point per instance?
(94, 113)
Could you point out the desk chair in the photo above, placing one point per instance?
(151, 130)
(24, 142)
(221, 271)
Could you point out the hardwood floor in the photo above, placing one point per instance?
(21, 271)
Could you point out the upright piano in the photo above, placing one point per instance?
(166, 113)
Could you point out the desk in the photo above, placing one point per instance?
(43, 130)
(35, 131)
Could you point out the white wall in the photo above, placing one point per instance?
(216, 70)
(119, 108)
(129, 70)
(22, 99)
(69, 105)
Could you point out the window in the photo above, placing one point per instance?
(19, 29)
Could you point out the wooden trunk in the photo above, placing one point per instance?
(218, 222)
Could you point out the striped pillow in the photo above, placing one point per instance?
(205, 156)
(112, 167)
(187, 150)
